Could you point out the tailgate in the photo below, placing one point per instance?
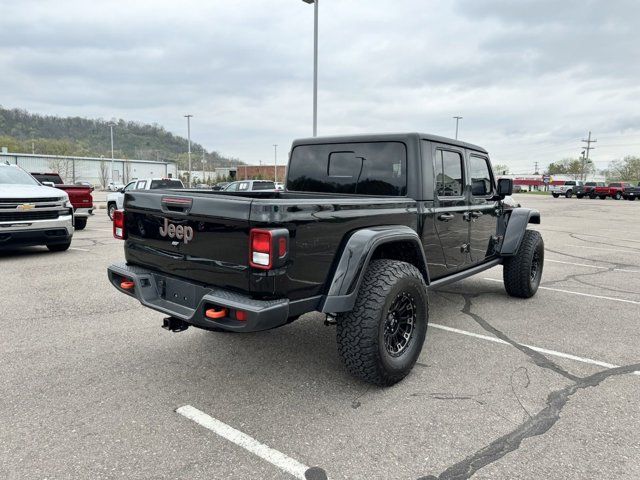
(200, 237)
(79, 196)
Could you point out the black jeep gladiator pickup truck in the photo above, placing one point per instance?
(365, 226)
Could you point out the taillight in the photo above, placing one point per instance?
(119, 230)
(268, 248)
(261, 249)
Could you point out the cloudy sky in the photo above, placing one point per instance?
(529, 78)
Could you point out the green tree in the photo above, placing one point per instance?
(627, 169)
(501, 169)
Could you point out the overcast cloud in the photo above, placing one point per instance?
(529, 78)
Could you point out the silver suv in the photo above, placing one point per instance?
(32, 214)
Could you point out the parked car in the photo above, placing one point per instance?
(614, 190)
(114, 186)
(115, 200)
(366, 225)
(250, 186)
(32, 213)
(567, 188)
(589, 188)
(220, 185)
(631, 192)
(79, 195)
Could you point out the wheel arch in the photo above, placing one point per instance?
(519, 218)
(395, 242)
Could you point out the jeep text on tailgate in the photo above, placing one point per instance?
(365, 226)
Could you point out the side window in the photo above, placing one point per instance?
(232, 188)
(130, 186)
(243, 186)
(141, 184)
(480, 172)
(448, 172)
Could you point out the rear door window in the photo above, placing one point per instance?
(448, 173)
(264, 186)
(368, 168)
(141, 184)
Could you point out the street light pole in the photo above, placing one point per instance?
(203, 174)
(315, 65)
(275, 163)
(457, 120)
(113, 180)
(188, 117)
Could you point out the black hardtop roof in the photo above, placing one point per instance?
(386, 137)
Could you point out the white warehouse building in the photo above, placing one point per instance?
(97, 171)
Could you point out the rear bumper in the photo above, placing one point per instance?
(82, 212)
(188, 301)
(36, 232)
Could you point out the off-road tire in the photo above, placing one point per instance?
(111, 207)
(361, 332)
(59, 247)
(79, 223)
(555, 195)
(568, 193)
(517, 270)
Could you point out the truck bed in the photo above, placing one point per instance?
(218, 254)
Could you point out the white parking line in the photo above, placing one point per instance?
(592, 266)
(274, 457)
(537, 349)
(622, 300)
(81, 249)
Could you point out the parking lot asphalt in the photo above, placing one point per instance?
(504, 389)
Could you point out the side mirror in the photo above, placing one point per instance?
(48, 184)
(505, 187)
(121, 190)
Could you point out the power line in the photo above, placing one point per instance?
(585, 154)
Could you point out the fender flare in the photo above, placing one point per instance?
(355, 256)
(516, 226)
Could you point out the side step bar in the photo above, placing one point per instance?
(464, 274)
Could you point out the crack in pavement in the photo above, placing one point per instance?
(538, 358)
(535, 425)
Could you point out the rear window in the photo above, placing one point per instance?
(48, 177)
(166, 183)
(374, 168)
(264, 186)
(570, 183)
(615, 185)
(590, 184)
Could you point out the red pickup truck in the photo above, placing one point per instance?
(79, 196)
(613, 190)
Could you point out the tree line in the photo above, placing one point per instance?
(24, 132)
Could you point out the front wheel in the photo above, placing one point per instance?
(579, 195)
(602, 197)
(555, 195)
(568, 193)
(380, 340)
(617, 196)
(111, 208)
(522, 272)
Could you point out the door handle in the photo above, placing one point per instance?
(445, 217)
(476, 214)
(471, 216)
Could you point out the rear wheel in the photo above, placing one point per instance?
(617, 196)
(59, 247)
(555, 195)
(522, 272)
(80, 223)
(380, 340)
(602, 197)
(632, 198)
(111, 208)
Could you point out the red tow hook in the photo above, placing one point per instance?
(127, 285)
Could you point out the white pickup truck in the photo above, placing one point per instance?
(115, 200)
(31, 213)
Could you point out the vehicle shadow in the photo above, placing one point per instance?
(23, 252)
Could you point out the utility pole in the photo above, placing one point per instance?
(315, 65)
(111, 125)
(458, 118)
(275, 162)
(188, 117)
(585, 158)
(535, 171)
(203, 174)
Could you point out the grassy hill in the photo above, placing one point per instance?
(22, 131)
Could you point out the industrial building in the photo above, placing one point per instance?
(97, 171)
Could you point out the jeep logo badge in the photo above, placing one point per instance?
(180, 232)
